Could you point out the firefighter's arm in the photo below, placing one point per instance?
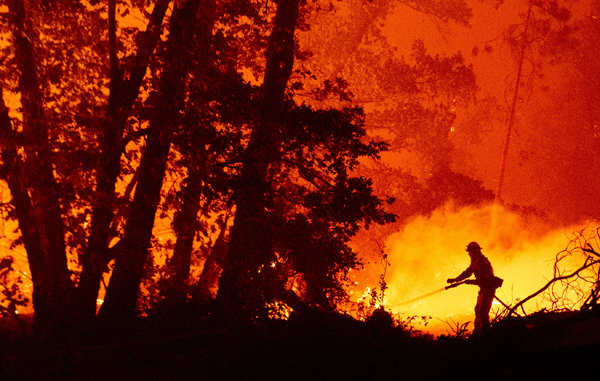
(464, 275)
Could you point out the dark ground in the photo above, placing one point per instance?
(319, 347)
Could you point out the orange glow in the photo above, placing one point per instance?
(431, 249)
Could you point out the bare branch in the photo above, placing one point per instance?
(551, 282)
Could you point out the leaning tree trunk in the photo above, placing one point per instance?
(240, 289)
(124, 90)
(121, 296)
(40, 216)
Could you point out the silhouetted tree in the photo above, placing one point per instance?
(31, 176)
(52, 180)
(132, 252)
(125, 84)
(294, 182)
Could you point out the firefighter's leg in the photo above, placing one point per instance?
(478, 314)
(482, 309)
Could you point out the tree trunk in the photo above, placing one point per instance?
(185, 221)
(13, 173)
(209, 277)
(240, 289)
(41, 221)
(123, 92)
(121, 297)
(184, 224)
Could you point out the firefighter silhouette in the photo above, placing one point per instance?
(486, 280)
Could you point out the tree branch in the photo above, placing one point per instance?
(552, 281)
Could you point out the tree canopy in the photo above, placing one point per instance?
(218, 125)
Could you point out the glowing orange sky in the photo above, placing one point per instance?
(542, 162)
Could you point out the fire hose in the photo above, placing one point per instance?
(468, 281)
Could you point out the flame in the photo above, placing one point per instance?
(279, 310)
(367, 298)
(430, 249)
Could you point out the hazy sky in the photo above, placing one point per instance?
(550, 164)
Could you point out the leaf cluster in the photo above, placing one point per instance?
(11, 290)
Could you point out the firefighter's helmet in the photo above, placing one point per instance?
(473, 246)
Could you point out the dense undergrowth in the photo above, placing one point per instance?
(315, 346)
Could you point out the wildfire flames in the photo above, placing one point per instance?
(431, 249)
